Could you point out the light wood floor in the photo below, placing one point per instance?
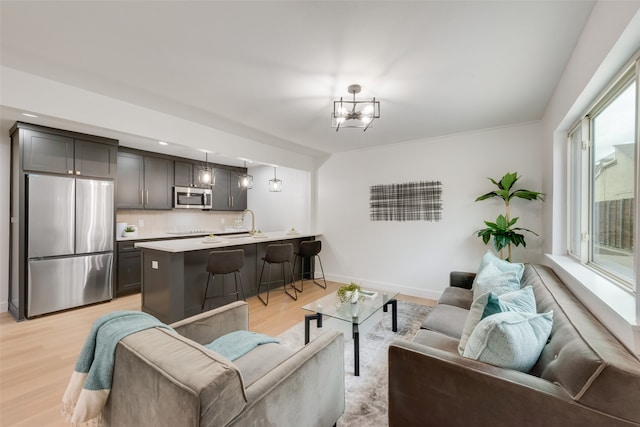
(37, 356)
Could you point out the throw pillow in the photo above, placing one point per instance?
(491, 279)
(521, 300)
(473, 317)
(503, 266)
(510, 340)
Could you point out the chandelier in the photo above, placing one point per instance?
(354, 114)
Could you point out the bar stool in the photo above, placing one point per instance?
(309, 249)
(278, 254)
(224, 262)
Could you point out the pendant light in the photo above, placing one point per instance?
(275, 184)
(206, 175)
(244, 179)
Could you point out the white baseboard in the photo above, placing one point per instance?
(404, 290)
(4, 306)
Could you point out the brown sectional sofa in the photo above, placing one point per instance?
(584, 376)
(167, 378)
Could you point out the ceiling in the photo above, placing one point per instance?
(269, 70)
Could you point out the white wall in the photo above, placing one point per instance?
(280, 211)
(416, 257)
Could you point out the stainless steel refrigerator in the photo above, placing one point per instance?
(69, 242)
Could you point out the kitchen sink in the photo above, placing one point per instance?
(236, 236)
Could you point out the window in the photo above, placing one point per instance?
(602, 175)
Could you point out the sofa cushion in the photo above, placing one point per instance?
(510, 339)
(458, 297)
(489, 260)
(262, 359)
(446, 319)
(436, 340)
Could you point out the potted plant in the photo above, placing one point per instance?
(350, 293)
(502, 230)
(129, 231)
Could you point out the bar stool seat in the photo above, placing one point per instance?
(310, 249)
(278, 254)
(224, 262)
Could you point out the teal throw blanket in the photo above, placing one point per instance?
(90, 383)
(236, 344)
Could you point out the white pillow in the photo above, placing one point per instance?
(510, 340)
(503, 266)
(521, 300)
(491, 279)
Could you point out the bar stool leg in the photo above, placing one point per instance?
(323, 279)
(204, 297)
(292, 284)
(260, 283)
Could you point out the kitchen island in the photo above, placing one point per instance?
(174, 275)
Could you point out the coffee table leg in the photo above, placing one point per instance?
(307, 319)
(394, 313)
(356, 350)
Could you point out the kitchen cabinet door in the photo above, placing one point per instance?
(45, 152)
(130, 181)
(238, 195)
(227, 195)
(221, 190)
(94, 159)
(183, 174)
(158, 183)
(129, 278)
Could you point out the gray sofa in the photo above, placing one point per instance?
(164, 378)
(584, 376)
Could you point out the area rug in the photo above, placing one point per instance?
(366, 395)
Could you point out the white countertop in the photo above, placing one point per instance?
(164, 235)
(199, 243)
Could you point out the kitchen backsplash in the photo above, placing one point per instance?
(150, 222)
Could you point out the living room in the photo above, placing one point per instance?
(357, 249)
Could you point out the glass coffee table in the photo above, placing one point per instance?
(356, 314)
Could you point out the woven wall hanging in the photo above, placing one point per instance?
(411, 201)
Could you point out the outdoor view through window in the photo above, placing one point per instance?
(612, 186)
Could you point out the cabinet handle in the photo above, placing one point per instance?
(231, 201)
(141, 197)
(69, 171)
(77, 172)
(147, 197)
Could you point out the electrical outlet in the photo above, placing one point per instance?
(141, 223)
(154, 265)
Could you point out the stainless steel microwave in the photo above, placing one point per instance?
(192, 198)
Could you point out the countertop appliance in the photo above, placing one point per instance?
(192, 198)
(69, 242)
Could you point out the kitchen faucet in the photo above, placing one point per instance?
(253, 221)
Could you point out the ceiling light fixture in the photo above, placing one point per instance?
(275, 184)
(29, 115)
(354, 114)
(163, 143)
(244, 179)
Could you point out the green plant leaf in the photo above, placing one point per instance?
(528, 195)
(508, 180)
(486, 196)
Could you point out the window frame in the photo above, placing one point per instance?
(629, 74)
